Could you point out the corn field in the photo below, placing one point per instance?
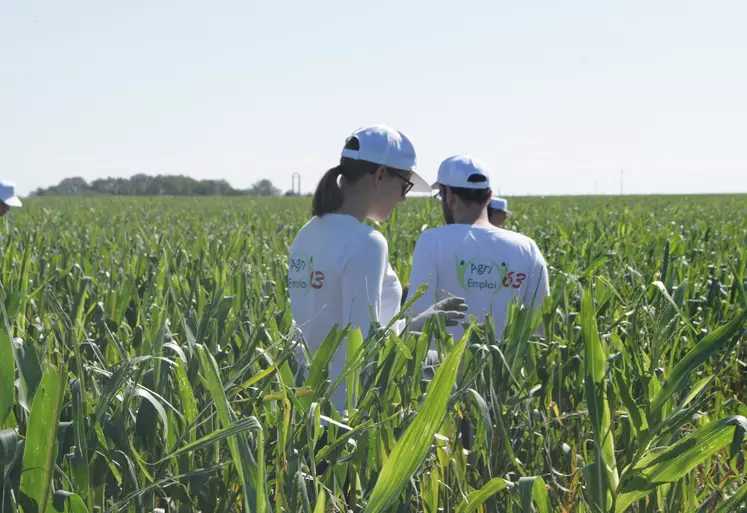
(147, 362)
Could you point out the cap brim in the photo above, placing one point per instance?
(13, 202)
(419, 184)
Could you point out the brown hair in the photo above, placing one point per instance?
(468, 195)
(328, 195)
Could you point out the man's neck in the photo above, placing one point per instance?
(472, 216)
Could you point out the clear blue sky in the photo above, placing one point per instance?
(556, 97)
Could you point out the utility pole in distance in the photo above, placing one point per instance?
(296, 177)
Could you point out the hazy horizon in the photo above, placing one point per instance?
(306, 192)
(557, 99)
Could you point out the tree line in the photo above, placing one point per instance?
(160, 185)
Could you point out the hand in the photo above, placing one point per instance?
(453, 309)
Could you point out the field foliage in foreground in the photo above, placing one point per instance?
(146, 362)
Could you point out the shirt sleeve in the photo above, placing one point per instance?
(362, 279)
(424, 272)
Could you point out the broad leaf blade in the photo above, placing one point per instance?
(476, 498)
(7, 377)
(705, 349)
(214, 385)
(41, 443)
(595, 387)
(532, 489)
(676, 461)
(411, 448)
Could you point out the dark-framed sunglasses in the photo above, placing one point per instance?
(407, 186)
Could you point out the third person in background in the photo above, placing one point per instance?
(8, 197)
(498, 211)
(471, 258)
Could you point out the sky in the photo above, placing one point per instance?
(556, 97)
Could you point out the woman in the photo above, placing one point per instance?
(339, 270)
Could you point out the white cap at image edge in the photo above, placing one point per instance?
(463, 171)
(8, 194)
(386, 146)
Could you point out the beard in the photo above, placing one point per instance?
(448, 213)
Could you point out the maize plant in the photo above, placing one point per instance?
(149, 362)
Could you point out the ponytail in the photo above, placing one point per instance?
(328, 195)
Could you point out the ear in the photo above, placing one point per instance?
(378, 176)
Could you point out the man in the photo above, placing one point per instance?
(8, 197)
(471, 258)
(498, 211)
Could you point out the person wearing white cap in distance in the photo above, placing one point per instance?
(498, 211)
(470, 257)
(338, 270)
(8, 197)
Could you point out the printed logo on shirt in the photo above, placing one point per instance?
(482, 274)
(317, 279)
(299, 271)
(302, 275)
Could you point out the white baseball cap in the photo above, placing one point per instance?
(8, 194)
(500, 204)
(463, 171)
(383, 145)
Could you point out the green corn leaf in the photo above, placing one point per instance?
(532, 489)
(484, 413)
(596, 397)
(7, 377)
(321, 503)
(41, 443)
(704, 350)
(478, 497)
(354, 343)
(66, 502)
(258, 377)
(150, 397)
(116, 380)
(247, 424)
(411, 448)
(739, 499)
(321, 359)
(30, 371)
(695, 390)
(8, 452)
(186, 395)
(673, 463)
(80, 458)
(635, 414)
(236, 442)
(674, 304)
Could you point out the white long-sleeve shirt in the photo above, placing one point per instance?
(339, 273)
(487, 266)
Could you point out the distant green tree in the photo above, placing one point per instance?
(71, 186)
(161, 185)
(264, 187)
